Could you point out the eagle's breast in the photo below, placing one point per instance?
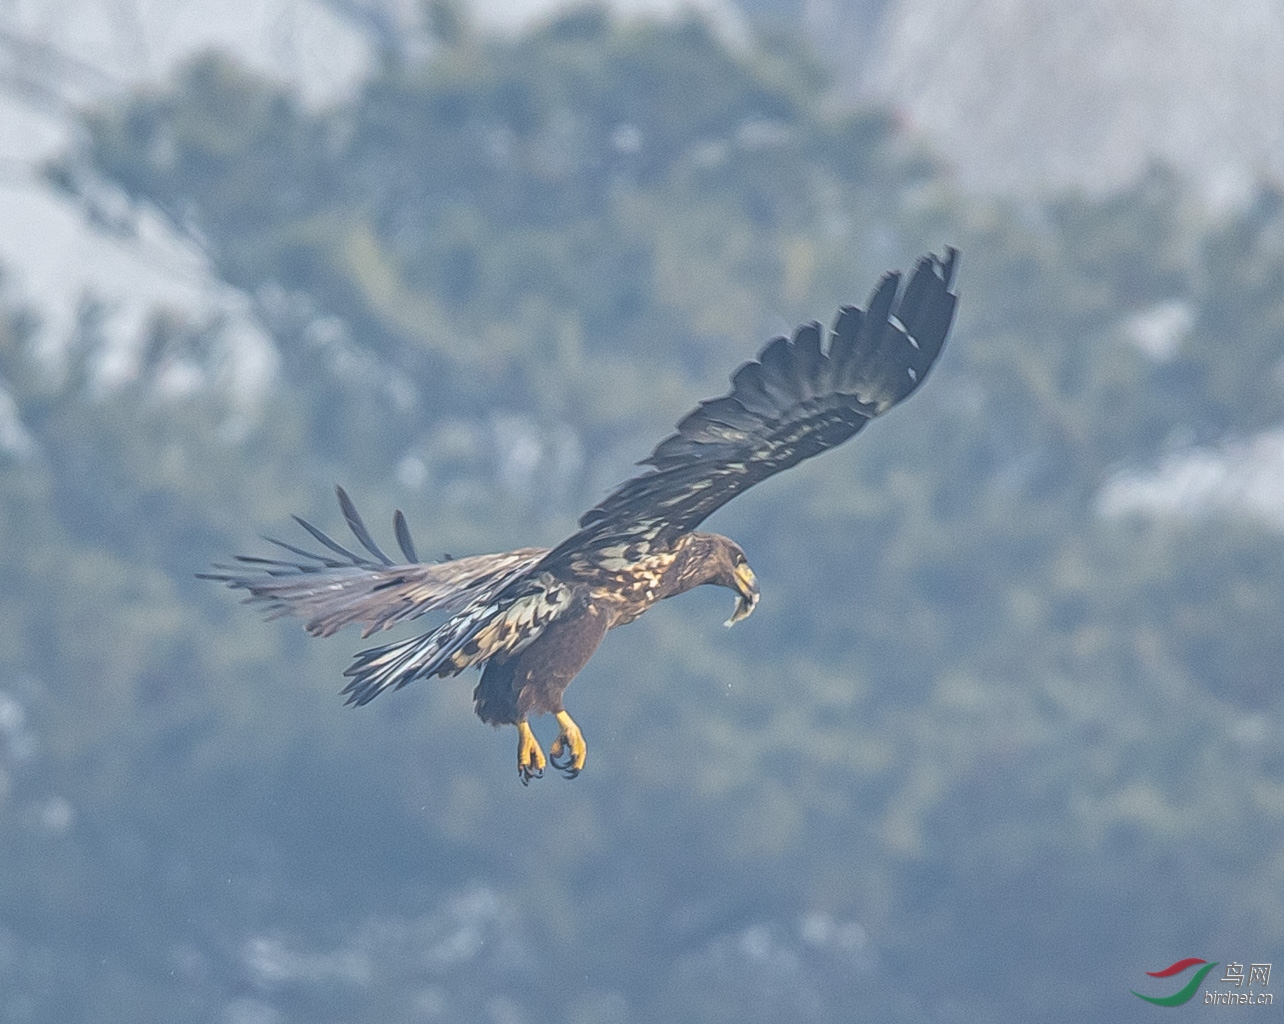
(626, 579)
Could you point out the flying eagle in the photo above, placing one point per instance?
(533, 617)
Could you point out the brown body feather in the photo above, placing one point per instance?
(531, 680)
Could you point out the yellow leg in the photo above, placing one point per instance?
(530, 759)
(571, 740)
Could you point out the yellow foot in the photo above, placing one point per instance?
(570, 740)
(530, 759)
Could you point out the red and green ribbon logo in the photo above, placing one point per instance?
(1188, 992)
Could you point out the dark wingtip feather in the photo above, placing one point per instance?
(809, 361)
(881, 299)
(402, 529)
(358, 527)
(948, 264)
(876, 356)
(333, 545)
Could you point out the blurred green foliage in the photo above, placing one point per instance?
(982, 753)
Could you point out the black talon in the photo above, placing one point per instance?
(526, 774)
(568, 759)
(565, 764)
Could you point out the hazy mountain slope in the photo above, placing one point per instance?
(1043, 95)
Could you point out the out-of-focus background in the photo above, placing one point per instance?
(1005, 732)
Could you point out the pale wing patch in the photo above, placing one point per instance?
(485, 629)
(517, 626)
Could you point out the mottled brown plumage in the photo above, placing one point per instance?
(532, 618)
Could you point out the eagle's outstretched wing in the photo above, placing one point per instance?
(334, 588)
(795, 401)
(498, 605)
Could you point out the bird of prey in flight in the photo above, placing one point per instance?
(532, 618)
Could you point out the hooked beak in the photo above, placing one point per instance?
(747, 588)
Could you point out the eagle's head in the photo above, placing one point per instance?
(728, 567)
